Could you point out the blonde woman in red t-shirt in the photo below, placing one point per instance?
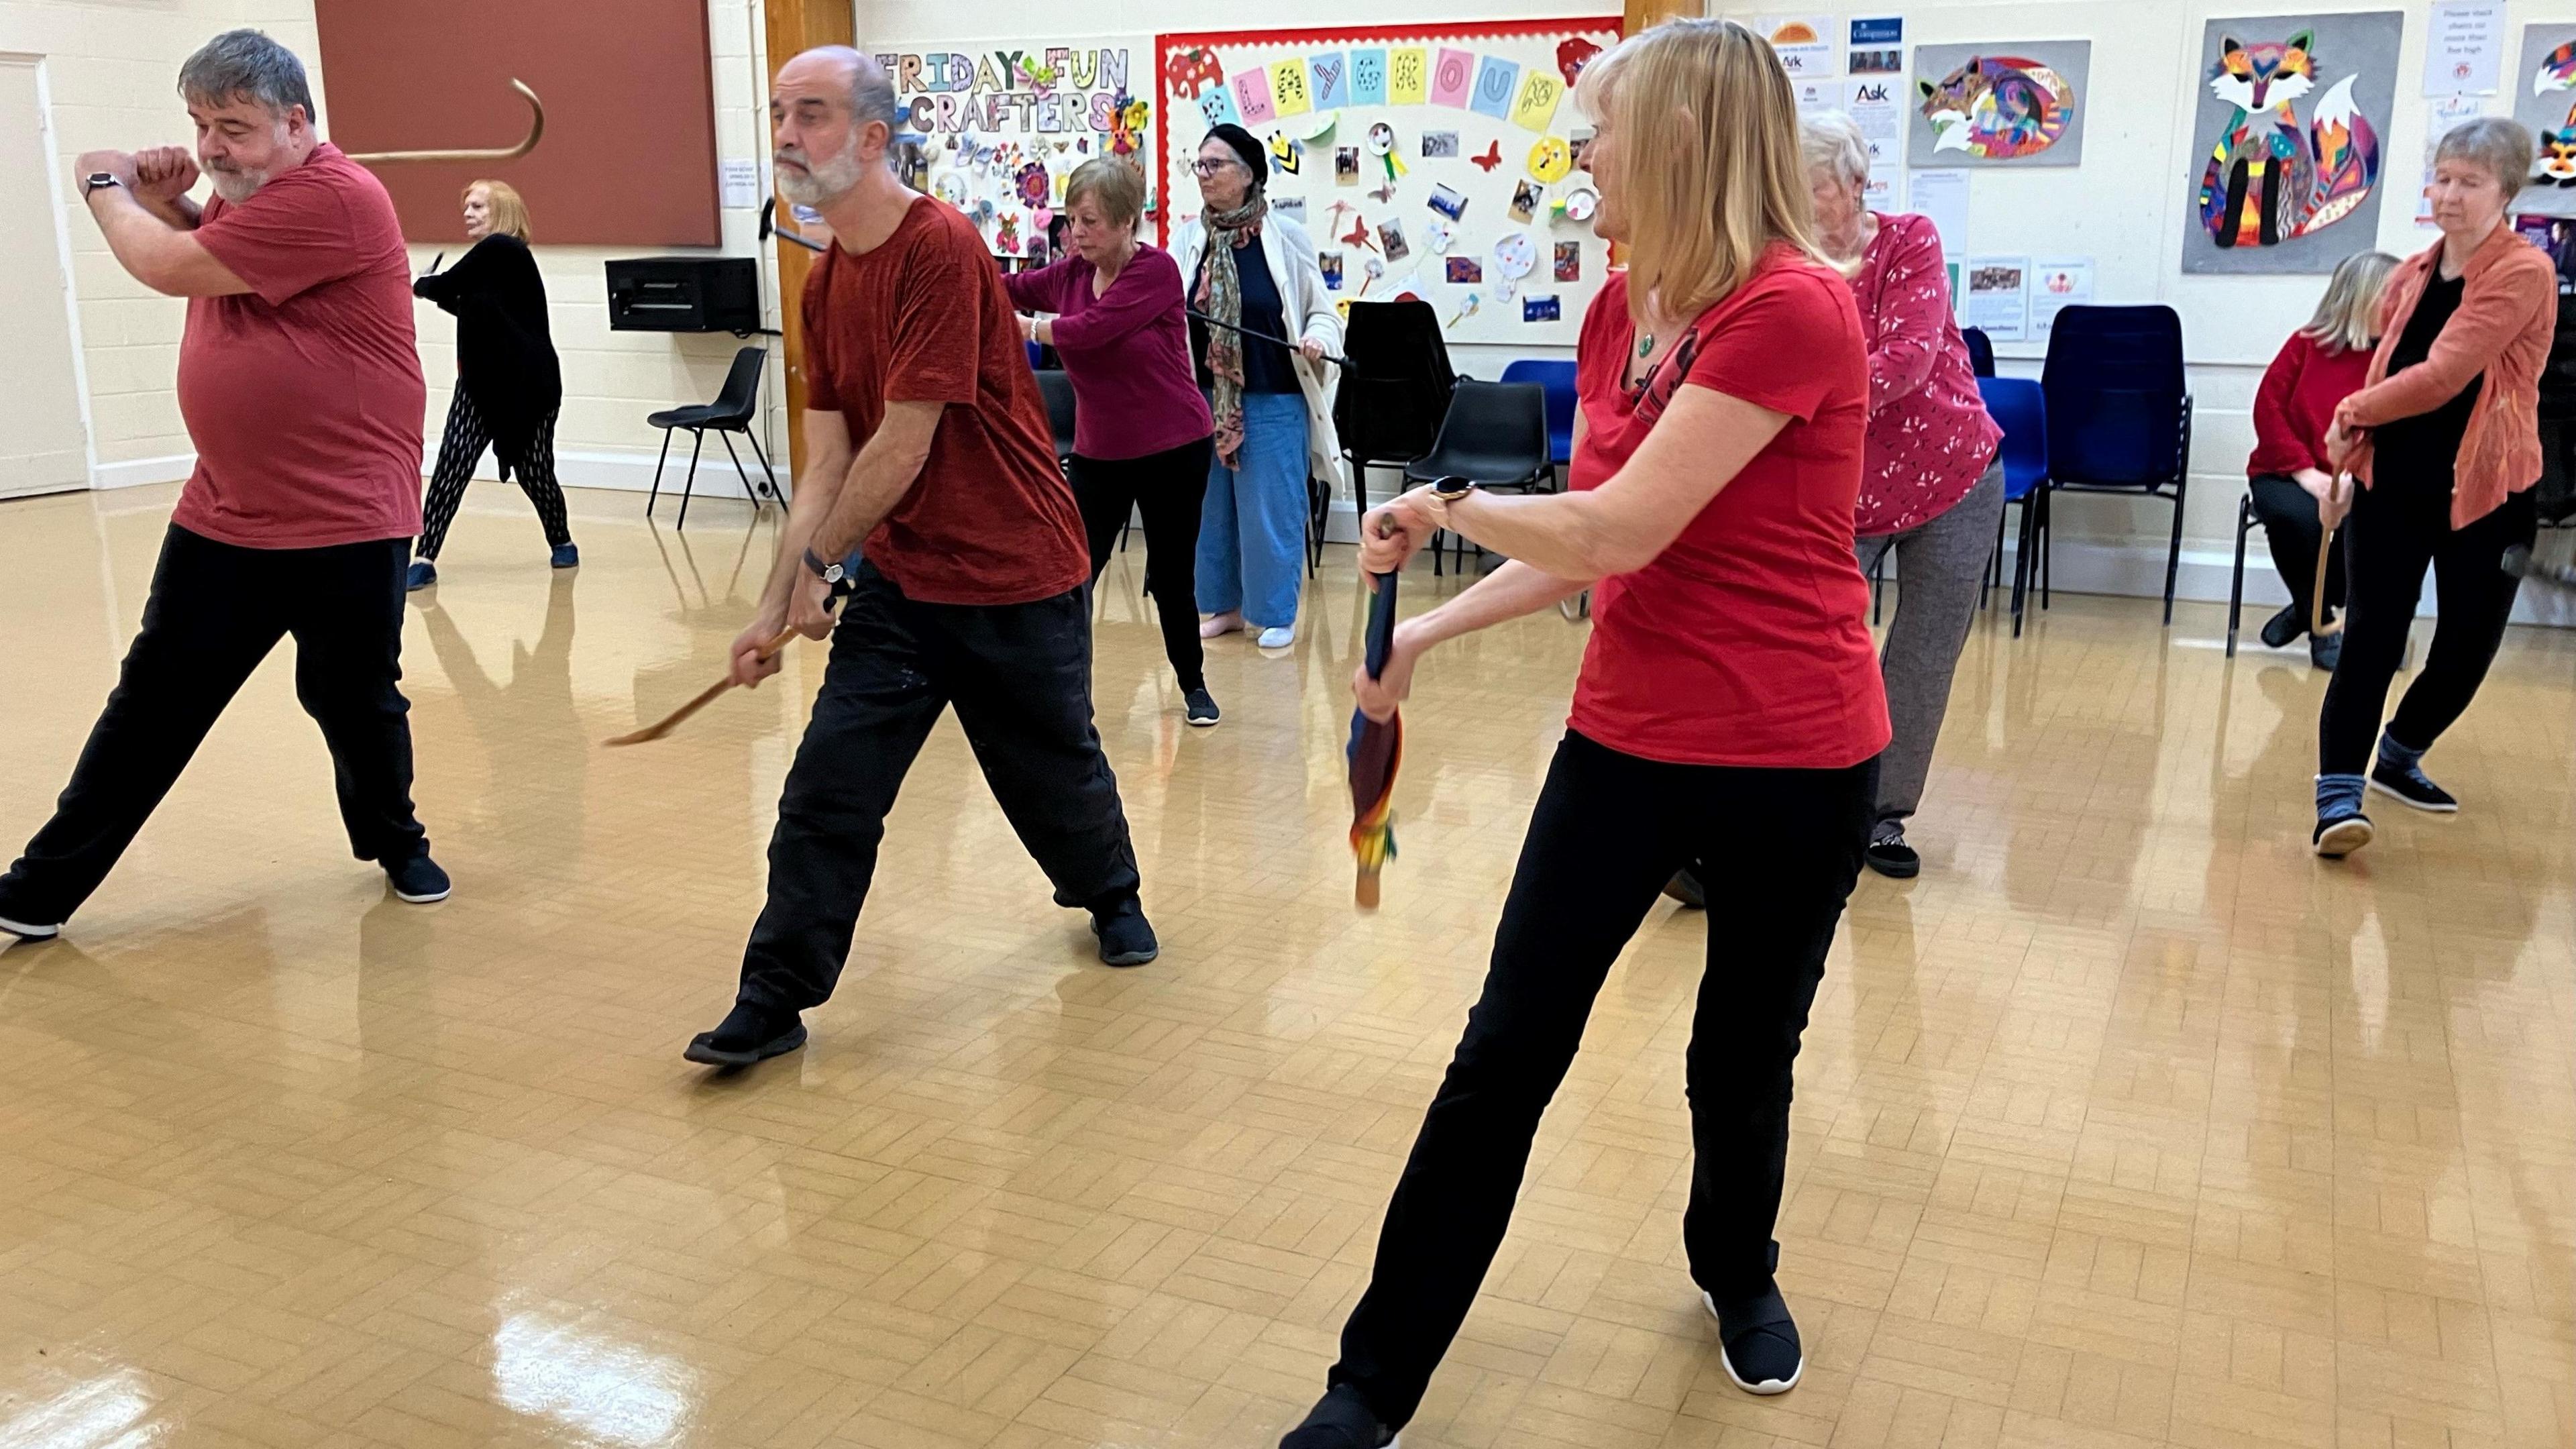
(1728, 714)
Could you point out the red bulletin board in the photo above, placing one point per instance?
(1424, 160)
(629, 155)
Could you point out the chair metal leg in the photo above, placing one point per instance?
(2022, 570)
(752, 436)
(747, 490)
(690, 485)
(2236, 584)
(2173, 555)
(656, 495)
(2047, 545)
(1878, 590)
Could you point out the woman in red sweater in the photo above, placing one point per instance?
(2323, 363)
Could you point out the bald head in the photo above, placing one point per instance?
(833, 114)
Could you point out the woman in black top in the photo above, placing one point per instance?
(508, 385)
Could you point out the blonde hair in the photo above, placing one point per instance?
(1709, 172)
(1118, 186)
(2347, 317)
(509, 211)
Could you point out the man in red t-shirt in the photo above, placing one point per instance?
(932, 498)
(303, 394)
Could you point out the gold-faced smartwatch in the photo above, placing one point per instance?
(1452, 488)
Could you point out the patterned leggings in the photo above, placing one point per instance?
(467, 436)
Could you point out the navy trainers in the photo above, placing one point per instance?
(1758, 1342)
(2410, 784)
(419, 576)
(418, 881)
(749, 1033)
(565, 556)
(1341, 1420)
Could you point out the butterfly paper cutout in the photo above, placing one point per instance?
(1285, 154)
(1492, 158)
(1360, 235)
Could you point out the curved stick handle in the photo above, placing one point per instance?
(536, 132)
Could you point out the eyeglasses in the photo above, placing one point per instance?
(1206, 167)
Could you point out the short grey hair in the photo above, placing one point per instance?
(871, 89)
(241, 63)
(2498, 143)
(1832, 143)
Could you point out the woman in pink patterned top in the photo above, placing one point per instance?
(1932, 484)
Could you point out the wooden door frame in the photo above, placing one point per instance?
(793, 26)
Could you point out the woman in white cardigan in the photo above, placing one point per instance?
(1273, 404)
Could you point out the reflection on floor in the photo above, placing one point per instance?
(2127, 1124)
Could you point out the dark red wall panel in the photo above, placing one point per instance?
(629, 156)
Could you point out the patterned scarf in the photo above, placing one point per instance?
(1220, 296)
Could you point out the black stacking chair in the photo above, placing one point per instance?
(1496, 435)
(733, 411)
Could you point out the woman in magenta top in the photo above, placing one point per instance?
(1728, 714)
(1141, 427)
(2289, 471)
(1932, 488)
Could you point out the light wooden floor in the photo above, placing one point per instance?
(2128, 1124)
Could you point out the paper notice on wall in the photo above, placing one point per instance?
(2055, 283)
(1816, 96)
(1804, 43)
(741, 182)
(1943, 196)
(1871, 102)
(2464, 49)
(2445, 115)
(1999, 297)
(1878, 45)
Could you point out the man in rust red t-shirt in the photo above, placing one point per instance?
(930, 460)
(303, 395)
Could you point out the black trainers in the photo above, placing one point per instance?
(1758, 1342)
(1202, 707)
(1126, 937)
(2284, 627)
(418, 880)
(2412, 786)
(1893, 858)
(749, 1033)
(1341, 1419)
(2325, 651)
(1685, 888)
(28, 930)
(2341, 836)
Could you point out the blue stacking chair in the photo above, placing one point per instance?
(1558, 379)
(2020, 408)
(2119, 412)
(1981, 351)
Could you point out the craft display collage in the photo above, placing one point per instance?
(1445, 162)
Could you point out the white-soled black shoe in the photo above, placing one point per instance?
(2413, 786)
(1757, 1341)
(2341, 836)
(27, 931)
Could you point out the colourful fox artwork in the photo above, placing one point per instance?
(2267, 182)
(2555, 165)
(1998, 107)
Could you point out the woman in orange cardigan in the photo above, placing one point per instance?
(2445, 440)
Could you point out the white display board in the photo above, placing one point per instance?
(1003, 126)
(1432, 160)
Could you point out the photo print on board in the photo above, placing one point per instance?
(2316, 94)
(1439, 145)
(1540, 309)
(1447, 201)
(1466, 270)
(1331, 265)
(1525, 200)
(1346, 165)
(1390, 235)
(1569, 261)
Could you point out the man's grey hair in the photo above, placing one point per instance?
(871, 89)
(242, 63)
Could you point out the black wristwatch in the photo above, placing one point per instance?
(829, 573)
(96, 180)
(1452, 488)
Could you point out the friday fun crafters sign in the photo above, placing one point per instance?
(998, 130)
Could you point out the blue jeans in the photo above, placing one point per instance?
(1252, 530)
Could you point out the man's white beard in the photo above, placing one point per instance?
(825, 181)
(236, 187)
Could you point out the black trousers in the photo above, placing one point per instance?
(1020, 678)
(468, 434)
(1778, 851)
(1168, 489)
(2293, 530)
(214, 613)
(2396, 529)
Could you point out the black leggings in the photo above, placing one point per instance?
(2291, 526)
(2396, 528)
(1608, 831)
(468, 434)
(1168, 489)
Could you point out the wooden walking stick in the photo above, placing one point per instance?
(2317, 624)
(705, 697)
(536, 130)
